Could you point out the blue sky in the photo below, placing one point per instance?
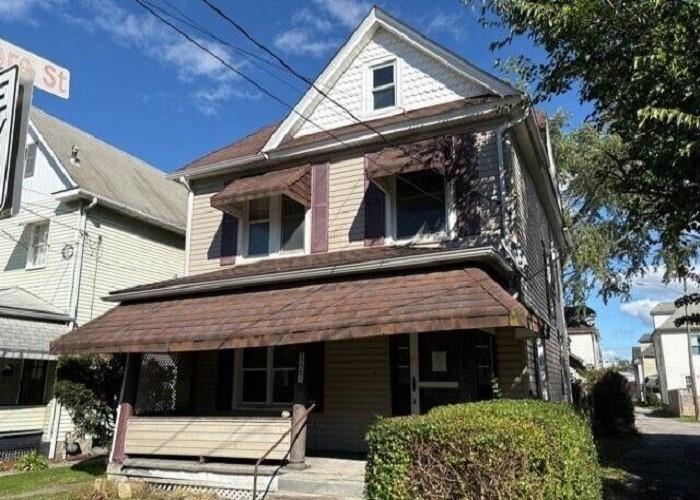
(140, 87)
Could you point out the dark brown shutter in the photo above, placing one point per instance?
(229, 239)
(319, 208)
(463, 170)
(375, 213)
(224, 379)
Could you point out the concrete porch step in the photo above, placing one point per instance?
(292, 487)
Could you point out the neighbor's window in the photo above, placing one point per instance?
(22, 382)
(259, 227)
(695, 344)
(30, 161)
(384, 86)
(38, 245)
(268, 375)
(420, 204)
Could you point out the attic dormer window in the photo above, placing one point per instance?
(384, 86)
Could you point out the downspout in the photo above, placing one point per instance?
(79, 257)
(188, 229)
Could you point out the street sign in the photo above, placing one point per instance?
(47, 75)
(9, 86)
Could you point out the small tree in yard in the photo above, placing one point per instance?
(88, 386)
(611, 404)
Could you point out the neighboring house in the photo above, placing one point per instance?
(671, 348)
(375, 268)
(93, 219)
(584, 337)
(644, 361)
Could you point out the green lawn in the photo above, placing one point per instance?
(59, 479)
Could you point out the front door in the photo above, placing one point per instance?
(439, 368)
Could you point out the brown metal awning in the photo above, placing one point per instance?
(429, 154)
(293, 182)
(366, 306)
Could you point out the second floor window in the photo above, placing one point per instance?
(695, 344)
(275, 225)
(420, 204)
(37, 252)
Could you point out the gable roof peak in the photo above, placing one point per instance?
(375, 19)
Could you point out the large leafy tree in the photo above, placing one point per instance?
(638, 63)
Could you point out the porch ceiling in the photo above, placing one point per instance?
(366, 306)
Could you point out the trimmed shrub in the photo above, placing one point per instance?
(32, 461)
(491, 449)
(613, 408)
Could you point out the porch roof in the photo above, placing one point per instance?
(294, 182)
(455, 298)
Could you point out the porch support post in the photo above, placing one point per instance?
(127, 401)
(297, 453)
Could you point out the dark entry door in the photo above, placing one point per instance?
(400, 359)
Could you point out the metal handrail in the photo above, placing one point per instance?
(284, 435)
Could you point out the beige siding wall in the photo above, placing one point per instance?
(129, 253)
(25, 418)
(346, 224)
(205, 235)
(52, 282)
(357, 389)
(512, 364)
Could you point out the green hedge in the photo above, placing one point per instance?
(492, 449)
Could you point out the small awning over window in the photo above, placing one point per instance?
(360, 307)
(429, 154)
(293, 182)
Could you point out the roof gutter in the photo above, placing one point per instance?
(432, 259)
(82, 194)
(31, 314)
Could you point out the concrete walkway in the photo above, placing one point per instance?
(662, 463)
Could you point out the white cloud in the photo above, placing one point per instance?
(639, 309)
(305, 16)
(22, 9)
(300, 41)
(348, 12)
(452, 25)
(157, 41)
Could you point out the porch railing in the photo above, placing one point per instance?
(296, 425)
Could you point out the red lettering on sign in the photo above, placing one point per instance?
(62, 77)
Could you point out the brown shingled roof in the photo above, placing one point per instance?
(249, 145)
(436, 300)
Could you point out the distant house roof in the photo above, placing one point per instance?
(645, 339)
(649, 352)
(670, 324)
(28, 324)
(110, 173)
(579, 316)
(663, 308)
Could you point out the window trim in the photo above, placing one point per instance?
(391, 222)
(31, 247)
(368, 87)
(275, 244)
(269, 370)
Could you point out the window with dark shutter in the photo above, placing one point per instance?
(229, 239)
(462, 171)
(375, 218)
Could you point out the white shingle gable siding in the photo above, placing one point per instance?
(423, 81)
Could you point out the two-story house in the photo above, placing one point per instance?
(584, 337)
(644, 361)
(93, 219)
(393, 244)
